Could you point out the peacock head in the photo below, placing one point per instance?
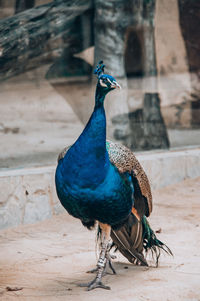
(105, 82)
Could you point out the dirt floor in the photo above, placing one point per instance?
(46, 261)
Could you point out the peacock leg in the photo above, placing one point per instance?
(105, 272)
(109, 261)
(109, 258)
(101, 264)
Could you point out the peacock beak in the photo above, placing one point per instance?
(115, 85)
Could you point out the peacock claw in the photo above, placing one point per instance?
(98, 285)
(94, 284)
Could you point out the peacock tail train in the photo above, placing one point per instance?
(135, 240)
(152, 243)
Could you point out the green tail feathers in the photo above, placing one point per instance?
(150, 241)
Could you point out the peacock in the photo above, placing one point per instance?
(99, 181)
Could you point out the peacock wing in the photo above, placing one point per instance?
(125, 161)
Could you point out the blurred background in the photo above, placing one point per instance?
(48, 50)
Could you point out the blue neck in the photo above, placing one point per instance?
(99, 97)
(87, 160)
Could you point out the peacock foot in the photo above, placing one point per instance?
(96, 283)
(103, 261)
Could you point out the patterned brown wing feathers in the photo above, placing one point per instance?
(125, 161)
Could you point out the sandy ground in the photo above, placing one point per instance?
(46, 261)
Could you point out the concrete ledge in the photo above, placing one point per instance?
(28, 195)
(169, 167)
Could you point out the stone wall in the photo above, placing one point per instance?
(28, 196)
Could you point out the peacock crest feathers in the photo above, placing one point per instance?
(99, 69)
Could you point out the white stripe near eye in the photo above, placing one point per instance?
(102, 83)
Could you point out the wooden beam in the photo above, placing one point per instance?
(35, 35)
